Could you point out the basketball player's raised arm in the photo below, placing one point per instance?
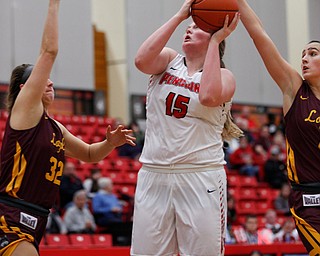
(28, 107)
(282, 73)
(217, 84)
(152, 56)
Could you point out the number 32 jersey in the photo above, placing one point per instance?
(32, 162)
(180, 130)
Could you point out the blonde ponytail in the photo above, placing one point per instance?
(230, 129)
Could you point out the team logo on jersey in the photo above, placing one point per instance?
(210, 190)
(60, 144)
(28, 220)
(303, 98)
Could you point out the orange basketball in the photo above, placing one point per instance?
(209, 15)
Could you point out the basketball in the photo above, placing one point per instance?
(209, 15)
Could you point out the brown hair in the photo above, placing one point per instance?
(222, 48)
(15, 82)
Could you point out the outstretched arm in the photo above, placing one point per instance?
(152, 56)
(76, 148)
(28, 106)
(281, 72)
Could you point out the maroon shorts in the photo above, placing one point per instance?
(307, 218)
(21, 222)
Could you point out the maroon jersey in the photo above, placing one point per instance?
(303, 137)
(32, 162)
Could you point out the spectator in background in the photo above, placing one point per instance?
(281, 203)
(91, 183)
(275, 169)
(264, 138)
(255, 235)
(133, 152)
(108, 213)
(243, 158)
(279, 141)
(231, 211)
(106, 207)
(243, 125)
(255, 253)
(55, 224)
(271, 124)
(288, 233)
(70, 183)
(246, 118)
(251, 234)
(272, 223)
(78, 217)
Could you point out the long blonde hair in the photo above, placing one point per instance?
(231, 130)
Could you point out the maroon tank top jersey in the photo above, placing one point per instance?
(32, 162)
(303, 137)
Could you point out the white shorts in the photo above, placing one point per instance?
(180, 211)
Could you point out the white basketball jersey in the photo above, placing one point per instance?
(180, 130)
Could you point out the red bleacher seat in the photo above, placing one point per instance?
(122, 164)
(248, 181)
(130, 177)
(82, 240)
(116, 176)
(135, 165)
(104, 240)
(125, 189)
(263, 193)
(246, 207)
(57, 240)
(234, 191)
(233, 180)
(262, 206)
(247, 193)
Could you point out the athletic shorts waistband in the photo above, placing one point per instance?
(23, 205)
(306, 187)
(181, 168)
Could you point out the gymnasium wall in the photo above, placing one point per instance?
(21, 26)
(127, 23)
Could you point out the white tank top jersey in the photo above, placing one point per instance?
(180, 130)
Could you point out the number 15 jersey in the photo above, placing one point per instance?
(180, 130)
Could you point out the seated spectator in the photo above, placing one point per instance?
(272, 223)
(231, 211)
(281, 203)
(78, 217)
(243, 158)
(229, 237)
(275, 169)
(256, 253)
(91, 183)
(133, 152)
(288, 233)
(108, 210)
(70, 183)
(264, 138)
(55, 224)
(280, 141)
(106, 206)
(250, 234)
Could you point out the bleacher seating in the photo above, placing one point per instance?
(76, 241)
(251, 196)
